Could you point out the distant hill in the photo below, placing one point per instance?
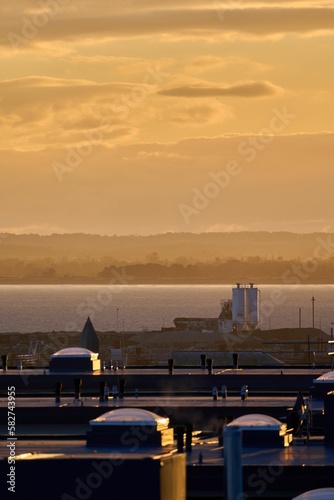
(174, 247)
(261, 257)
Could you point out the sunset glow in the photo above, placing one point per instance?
(138, 117)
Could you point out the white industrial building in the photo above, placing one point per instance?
(242, 312)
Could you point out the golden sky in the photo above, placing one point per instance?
(142, 117)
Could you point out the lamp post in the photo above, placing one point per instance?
(332, 344)
(117, 320)
(313, 299)
(123, 337)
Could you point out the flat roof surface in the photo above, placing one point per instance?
(67, 448)
(316, 372)
(131, 401)
(312, 454)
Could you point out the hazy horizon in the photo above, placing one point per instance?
(68, 233)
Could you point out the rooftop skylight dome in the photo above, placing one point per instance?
(131, 428)
(258, 421)
(262, 430)
(75, 359)
(320, 494)
(323, 384)
(326, 377)
(134, 416)
(77, 352)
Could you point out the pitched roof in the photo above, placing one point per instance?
(88, 337)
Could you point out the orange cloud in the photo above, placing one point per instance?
(252, 89)
(79, 22)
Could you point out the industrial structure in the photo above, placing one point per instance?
(239, 313)
(242, 312)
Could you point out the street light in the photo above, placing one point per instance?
(332, 341)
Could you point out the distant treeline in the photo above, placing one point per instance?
(181, 248)
(231, 270)
(262, 257)
(252, 269)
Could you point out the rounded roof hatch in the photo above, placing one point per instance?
(129, 416)
(325, 377)
(320, 494)
(256, 421)
(75, 352)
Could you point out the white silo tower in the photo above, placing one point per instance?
(238, 305)
(252, 305)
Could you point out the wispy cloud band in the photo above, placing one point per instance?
(252, 89)
(72, 24)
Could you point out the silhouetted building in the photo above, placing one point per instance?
(88, 337)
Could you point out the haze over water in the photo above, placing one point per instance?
(32, 308)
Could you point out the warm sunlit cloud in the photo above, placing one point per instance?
(190, 186)
(252, 89)
(75, 22)
(203, 64)
(117, 117)
(65, 109)
(195, 114)
(69, 110)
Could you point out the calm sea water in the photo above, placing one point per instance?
(31, 308)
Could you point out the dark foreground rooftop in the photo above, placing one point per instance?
(66, 468)
(53, 461)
